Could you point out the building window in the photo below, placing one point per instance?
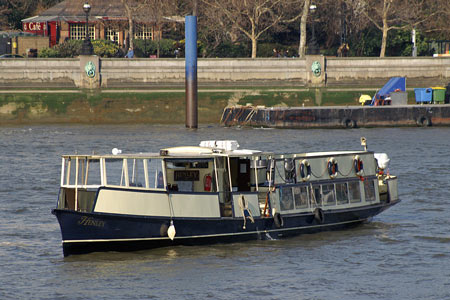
(112, 35)
(143, 32)
(78, 31)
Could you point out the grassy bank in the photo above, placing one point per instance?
(163, 107)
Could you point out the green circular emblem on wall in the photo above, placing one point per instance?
(90, 69)
(316, 68)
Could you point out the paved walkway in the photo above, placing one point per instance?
(169, 90)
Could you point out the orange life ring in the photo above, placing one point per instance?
(358, 165)
(332, 167)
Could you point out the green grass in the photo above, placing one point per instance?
(161, 107)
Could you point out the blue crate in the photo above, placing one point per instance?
(424, 95)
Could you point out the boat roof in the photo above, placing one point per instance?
(209, 149)
(206, 154)
(190, 155)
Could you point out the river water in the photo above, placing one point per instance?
(404, 253)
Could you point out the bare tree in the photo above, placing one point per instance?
(436, 25)
(388, 15)
(215, 29)
(303, 21)
(133, 9)
(4, 11)
(157, 12)
(253, 17)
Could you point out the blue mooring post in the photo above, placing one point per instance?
(191, 71)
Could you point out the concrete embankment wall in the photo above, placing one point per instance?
(144, 73)
(338, 117)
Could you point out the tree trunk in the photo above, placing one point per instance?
(130, 30)
(385, 28)
(158, 41)
(384, 38)
(130, 22)
(303, 21)
(254, 46)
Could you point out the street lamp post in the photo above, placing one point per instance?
(87, 48)
(313, 48)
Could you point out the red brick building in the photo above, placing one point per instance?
(107, 20)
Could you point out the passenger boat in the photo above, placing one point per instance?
(215, 192)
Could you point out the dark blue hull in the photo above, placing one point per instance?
(92, 232)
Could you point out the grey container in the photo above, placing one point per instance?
(399, 98)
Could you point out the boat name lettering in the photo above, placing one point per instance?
(89, 221)
(187, 175)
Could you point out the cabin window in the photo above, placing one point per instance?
(88, 172)
(136, 173)
(328, 194)
(317, 195)
(155, 174)
(286, 198)
(280, 176)
(369, 190)
(188, 175)
(70, 169)
(354, 192)
(258, 172)
(301, 196)
(92, 172)
(341, 193)
(289, 170)
(223, 180)
(115, 171)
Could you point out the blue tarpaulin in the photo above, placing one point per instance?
(394, 84)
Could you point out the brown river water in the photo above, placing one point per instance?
(404, 253)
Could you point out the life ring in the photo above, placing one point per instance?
(305, 170)
(349, 123)
(424, 121)
(319, 216)
(278, 220)
(358, 165)
(332, 167)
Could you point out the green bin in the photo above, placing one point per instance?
(438, 95)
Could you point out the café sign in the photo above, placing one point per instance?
(34, 26)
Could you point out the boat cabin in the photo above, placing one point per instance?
(218, 180)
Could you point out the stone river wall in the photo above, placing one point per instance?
(145, 73)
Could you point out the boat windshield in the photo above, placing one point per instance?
(93, 172)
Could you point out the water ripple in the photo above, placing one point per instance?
(402, 254)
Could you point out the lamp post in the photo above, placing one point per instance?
(87, 48)
(313, 48)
